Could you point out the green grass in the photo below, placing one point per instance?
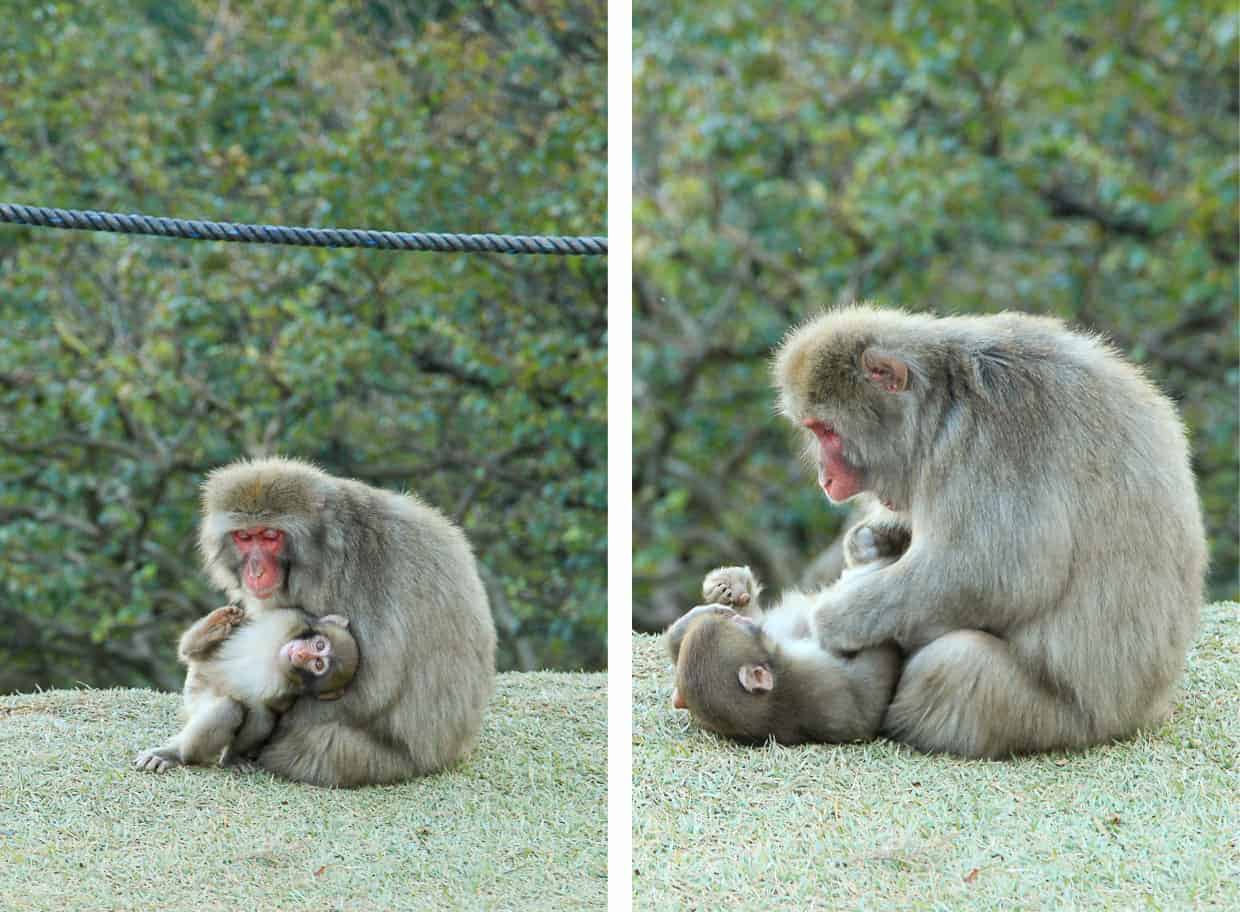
(1151, 823)
(519, 825)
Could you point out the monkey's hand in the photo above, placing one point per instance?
(868, 542)
(833, 630)
(677, 631)
(209, 631)
(735, 587)
(157, 760)
(839, 619)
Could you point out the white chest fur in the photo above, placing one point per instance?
(248, 662)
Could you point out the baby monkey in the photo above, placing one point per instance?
(244, 671)
(751, 675)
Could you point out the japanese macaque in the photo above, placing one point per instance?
(1053, 578)
(750, 675)
(243, 673)
(278, 533)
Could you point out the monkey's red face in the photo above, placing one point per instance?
(838, 478)
(262, 572)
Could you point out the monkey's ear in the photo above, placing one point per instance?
(885, 370)
(757, 679)
(338, 619)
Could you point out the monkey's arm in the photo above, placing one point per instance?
(920, 597)
(956, 574)
(208, 632)
(868, 608)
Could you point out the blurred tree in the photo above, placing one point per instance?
(1072, 159)
(130, 367)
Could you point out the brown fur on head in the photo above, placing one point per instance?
(723, 677)
(261, 491)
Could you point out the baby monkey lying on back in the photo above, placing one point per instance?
(752, 675)
(244, 672)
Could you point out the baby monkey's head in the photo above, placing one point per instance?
(725, 677)
(323, 657)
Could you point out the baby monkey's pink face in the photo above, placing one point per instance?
(312, 654)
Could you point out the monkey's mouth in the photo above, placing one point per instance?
(838, 478)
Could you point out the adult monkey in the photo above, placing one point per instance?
(1054, 576)
(279, 533)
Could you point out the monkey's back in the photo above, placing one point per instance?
(406, 578)
(1097, 465)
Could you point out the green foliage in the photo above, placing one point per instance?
(130, 367)
(1078, 160)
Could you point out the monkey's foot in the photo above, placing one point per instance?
(158, 760)
(736, 587)
(243, 765)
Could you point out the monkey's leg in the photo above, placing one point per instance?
(210, 729)
(334, 754)
(735, 587)
(208, 632)
(255, 730)
(202, 740)
(965, 694)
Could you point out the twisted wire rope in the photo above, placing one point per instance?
(234, 232)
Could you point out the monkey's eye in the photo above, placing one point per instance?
(242, 536)
(271, 534)
(320, 666)
(320, 645)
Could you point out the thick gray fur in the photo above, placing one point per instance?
(1054, 577)
(818, 695)
(407, 580)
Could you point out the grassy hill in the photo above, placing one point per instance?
(1150, 823)
(520, 825)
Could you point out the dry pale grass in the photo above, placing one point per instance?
(1152, 823)
(520, 825)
